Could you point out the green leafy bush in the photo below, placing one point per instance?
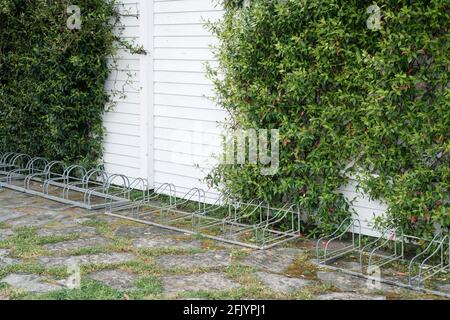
(341, 93)
(52, 78)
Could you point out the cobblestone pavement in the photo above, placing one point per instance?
(52, 251)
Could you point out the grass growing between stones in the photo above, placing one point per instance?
(302, 267)
(243, 275)
(148, 269)
(25, 243)
(251, 288)
(4, 225)
(147, 287)
(254, 288)
(34, 268)
(311, 292)
(89, 290)
(10, 293)
(410, 295)
(117, 245)
(154, 252)
(233, 294)
(100, 225)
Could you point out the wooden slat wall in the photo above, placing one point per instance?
(186, 131)
(365, 208)
(122, 141)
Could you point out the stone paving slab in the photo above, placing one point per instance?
(116, 279)
(212, 281)
(65, 231)
(70, 220)
(346, 282)
(11, 215)
(107, 218)
(165, 242)
(132, 231)
(275, 260)
(37, 220)
(5, 260)
(395, 275)
(342, 281)
(82, 243)
(73, 221)
(6, 193)
(103, 258)
(281, 283)
(11, 202)
(348, 265)
(30, 283)
(52, 218)
(348, 296)
(444, 287)
(45, 204)
(5, 233)
(210, 259)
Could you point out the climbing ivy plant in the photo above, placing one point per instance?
(348, 99)
(52, 76)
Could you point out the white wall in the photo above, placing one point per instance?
(166, 128)
(365, 208)
(122, 146)
(186, 132)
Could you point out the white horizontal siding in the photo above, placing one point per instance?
(128, 7)
(162, 6)
(181, 30)
(122, 123)
(122, 86)
(131, 97)
(182, 66)
(187, 134)
(365, 209)
(188, 54)
(181, 77)
(186, 101)
(185, 42)
(186, 124)
(127, 107)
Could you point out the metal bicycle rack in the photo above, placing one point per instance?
(386, 249)
(252, 225)
(327, 249)
(376, 250)
(73, 185)
(422, 268)
(12, 161)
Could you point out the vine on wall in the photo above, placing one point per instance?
(52, 76)
(341, 92)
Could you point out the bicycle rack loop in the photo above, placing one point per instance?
(388, 248)
(252, 225)
(70, 184)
